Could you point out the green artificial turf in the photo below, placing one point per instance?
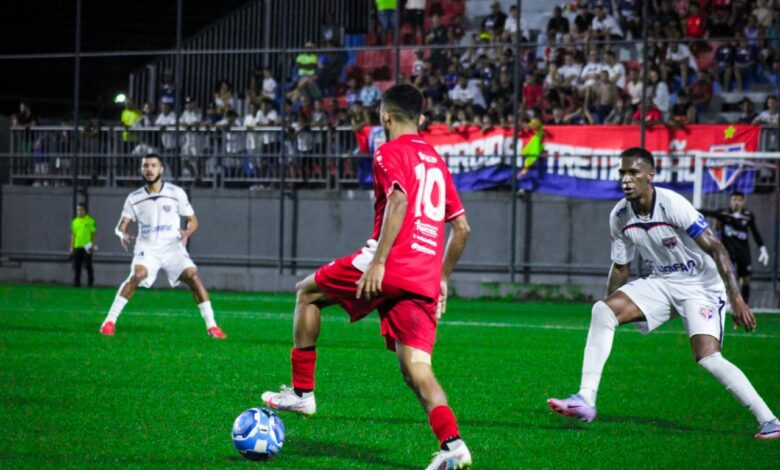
(162, 393)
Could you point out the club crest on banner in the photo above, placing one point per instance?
(724, 176)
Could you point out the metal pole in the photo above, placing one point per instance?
(76, 106)
(643, 107)
(776, 264)
(397, 42)
(177, 84)
(282, 148)
(515, 152)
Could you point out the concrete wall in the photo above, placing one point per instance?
(237, 246)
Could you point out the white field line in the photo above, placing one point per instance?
(373, 319)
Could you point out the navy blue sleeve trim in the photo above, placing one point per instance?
(698, 227)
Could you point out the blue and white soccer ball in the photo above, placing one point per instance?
(258, 434)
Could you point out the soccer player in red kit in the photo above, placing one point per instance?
(402, 272)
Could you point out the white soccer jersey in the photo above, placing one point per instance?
(665, 239)
(158, 215)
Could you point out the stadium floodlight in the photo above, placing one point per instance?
(120, 98)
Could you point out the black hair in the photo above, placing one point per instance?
(640, 153)
(155, 155)
(738, 193)
(404, 102)
(82, 204)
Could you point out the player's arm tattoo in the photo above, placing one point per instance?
(618, 276)
(455, 244)
(395, 211)
(708, 242)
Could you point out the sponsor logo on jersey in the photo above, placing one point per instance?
(426, 158)
(673, 268)
(707, 312)
(147, 230)
(670, 242)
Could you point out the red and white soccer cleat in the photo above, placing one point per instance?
(216, 332)
(108, 328)
(287, 400)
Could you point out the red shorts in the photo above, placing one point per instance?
(405, 317)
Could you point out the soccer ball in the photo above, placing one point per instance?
(258, 434)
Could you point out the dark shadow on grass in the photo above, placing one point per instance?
(422, 420)
(663, 424)
(44, 329)
(343, 450)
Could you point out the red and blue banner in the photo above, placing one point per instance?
(580, 161)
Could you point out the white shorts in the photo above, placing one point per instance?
(702, 308)
(172, 257)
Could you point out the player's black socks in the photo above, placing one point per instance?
(307, 348)
(746, 292)
(301, 391)
(445, 444)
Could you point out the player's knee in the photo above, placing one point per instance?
(138, 276)
(190, 275)
(710, 362)
(603, 315)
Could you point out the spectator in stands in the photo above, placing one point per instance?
(319, 116)
(665, 14)
(701, 91)
(553, 79)
(306, 86)
(166, 121)
(495, 21)
(580, 116)
(620, 114)
(269, 138)
(763, 13)
(352, 94)
(724, 64)
(617, 72)
(25, 117)
(660, 91)
(418, 65)
(678, 61)
(740, 12)
(435, 92)
(683, 111)
(532, 94)
(130, 115)
(634, 88)
(329, 66)
(191, 142)
(570, 71)
(415, 18)
(168, 88)
(370, 93)
(306, 61)
(718, 22)
(629, 13)
(653, 115)
(223, 97)
(438, 35)
(606, 94)
(251, 144)
(303, 106)
(212, 116)
(147, 118)
(269, 85)
(330, 31)
(387, 16)
(745, 57)
(753, 31)
(591, 72)
(510, 27)
(604, 26)
(557, 26)
(695, 24)
(582, 24)
(464, 96)
(557, 117)
(768, 116)
(747, 112)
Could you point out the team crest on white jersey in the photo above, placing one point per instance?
(707, 312)
(166, 208)
(670, 242)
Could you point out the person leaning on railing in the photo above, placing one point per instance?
(130, 115)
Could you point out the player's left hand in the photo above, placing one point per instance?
(742, 315)
(763, 256)
(370, 283)
(441, 305)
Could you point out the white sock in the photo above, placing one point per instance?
(116, 309)
(207, 313)
(735, 382)
(597, 349)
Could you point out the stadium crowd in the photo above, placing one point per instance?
(576, 69)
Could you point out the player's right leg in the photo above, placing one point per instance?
(606, 315)
(139, 274)
(299, 398)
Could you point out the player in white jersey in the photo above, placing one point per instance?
(692, 278)
(157, 208)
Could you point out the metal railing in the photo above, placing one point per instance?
(318, 157)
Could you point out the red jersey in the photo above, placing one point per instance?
(695, 26)
(412, 166)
